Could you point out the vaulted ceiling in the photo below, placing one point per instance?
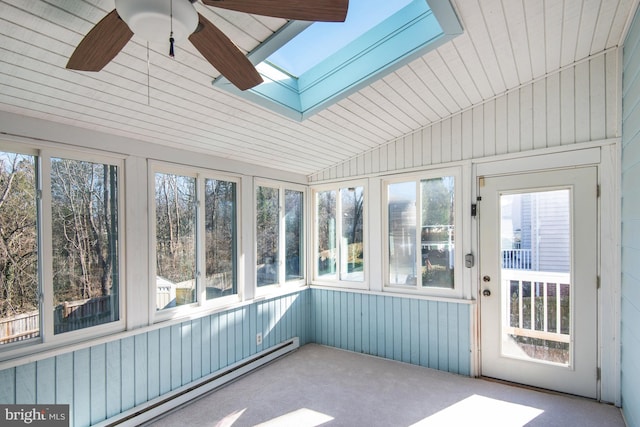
(145, 95)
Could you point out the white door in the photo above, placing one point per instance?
(538, 279)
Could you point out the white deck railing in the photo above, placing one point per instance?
(540, 314)
(519, 259)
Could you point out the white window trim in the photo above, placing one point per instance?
(337, 282)
(201, 304)
(458, 286)
(283, 284)
(47, 340)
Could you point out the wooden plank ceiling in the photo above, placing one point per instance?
(506, 43)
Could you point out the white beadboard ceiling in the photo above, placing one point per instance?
(506, 43)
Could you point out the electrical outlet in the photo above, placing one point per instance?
(259, 338)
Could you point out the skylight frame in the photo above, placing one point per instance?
(348, 70)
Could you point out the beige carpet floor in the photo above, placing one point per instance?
(319, 385)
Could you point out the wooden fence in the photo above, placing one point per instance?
(68, 316)
(20, 327)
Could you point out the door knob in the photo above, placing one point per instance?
(486, 292)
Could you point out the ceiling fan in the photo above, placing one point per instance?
(172, 20)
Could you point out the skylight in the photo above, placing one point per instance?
(307, 67)
(322, 39)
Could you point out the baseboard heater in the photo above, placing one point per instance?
(168, 401)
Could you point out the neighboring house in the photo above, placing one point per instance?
(536, 232)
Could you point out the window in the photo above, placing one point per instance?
(195, 238)
(309, 66)
(59, 254)
(421, 228)
(19, 298)
(84, 231)
(339, 233)
(279, 230)
(175, 240)
(221, 239)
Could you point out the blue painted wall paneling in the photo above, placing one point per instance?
(107, 379)
(434, 334)
(630, 335)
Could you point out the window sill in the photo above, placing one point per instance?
(32, 352)
(392, 292)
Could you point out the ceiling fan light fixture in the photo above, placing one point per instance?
(153, 20)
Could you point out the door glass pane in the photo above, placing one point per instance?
(220, 238)
(535, 236)
(326, 232)
(19, 302)
(402, 234)
(267, 232)
(294, 223)
(84, 237)
(351, 249)
(175, 240)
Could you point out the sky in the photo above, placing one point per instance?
(321, 39)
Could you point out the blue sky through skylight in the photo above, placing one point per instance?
(321, 39)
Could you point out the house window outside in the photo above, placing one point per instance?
(279, 231)
(60, 263)
(195, 238)
(421, 225)
(339, 234)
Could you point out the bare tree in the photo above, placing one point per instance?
(18, 238)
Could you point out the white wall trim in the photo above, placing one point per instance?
(610, 270)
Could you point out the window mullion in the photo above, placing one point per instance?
(282, 244)
(200, 239)
(45, 247)
(418, 253)
(338, 236)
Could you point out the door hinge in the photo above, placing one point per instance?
(597, 282)
(598, 374)
(598, 191)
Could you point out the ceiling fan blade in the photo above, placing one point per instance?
(220, 51)
(304, 10)
(101, 44)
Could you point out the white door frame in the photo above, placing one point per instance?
(606, 156)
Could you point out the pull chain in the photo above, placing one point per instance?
(148, 77)
(171, 39)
